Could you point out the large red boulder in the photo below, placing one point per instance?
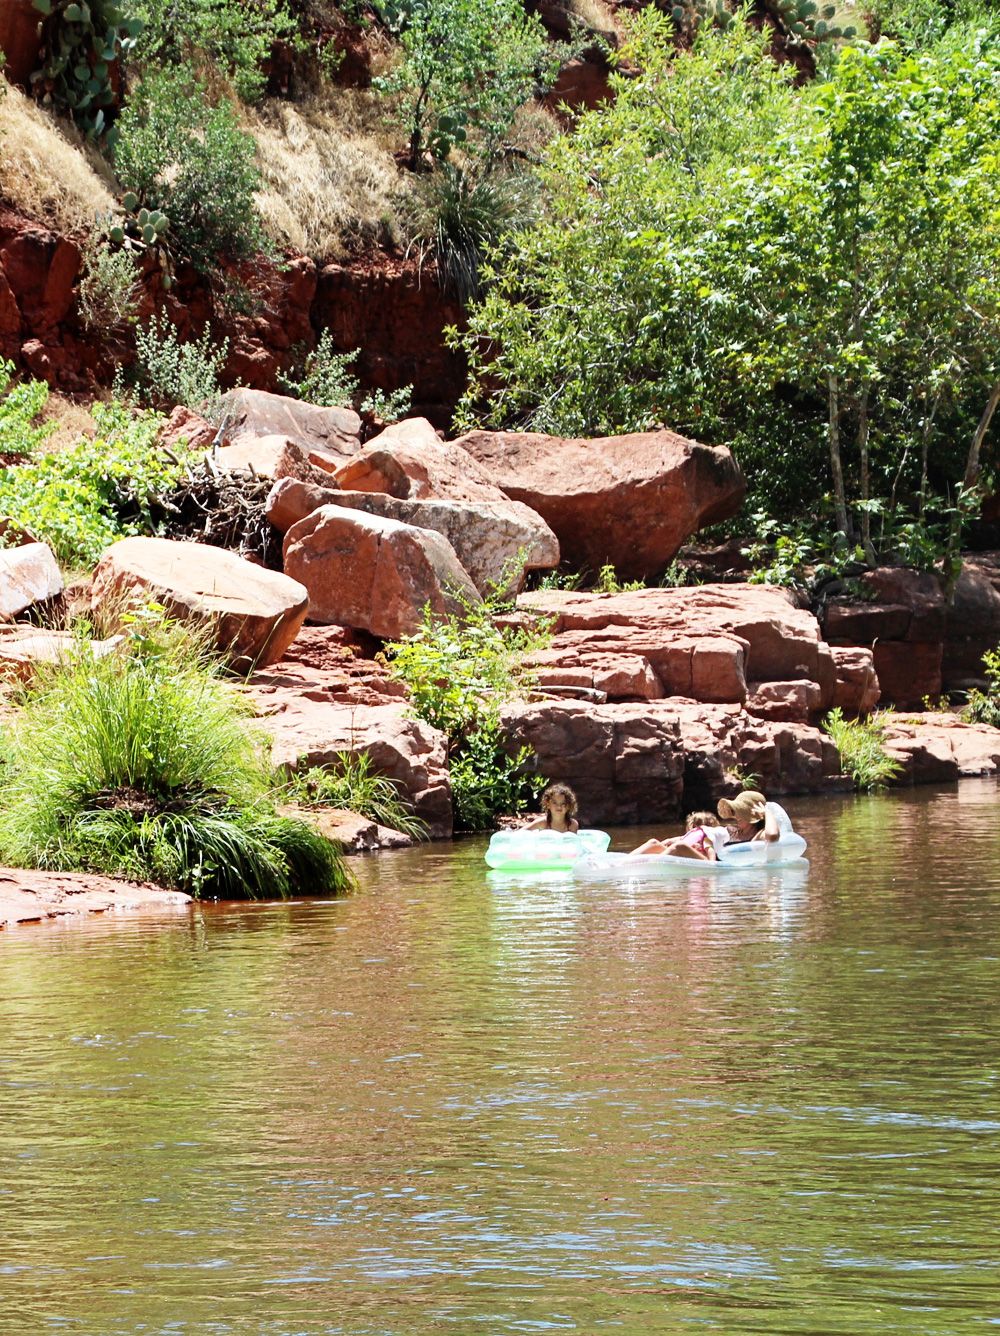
(630, 501)
(374, 574)
(29, 574)
(334, 433)
(497, 542)
(409, 461)
(255, 613)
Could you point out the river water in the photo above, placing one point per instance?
(461, 1104)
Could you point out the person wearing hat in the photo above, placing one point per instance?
(748, 817)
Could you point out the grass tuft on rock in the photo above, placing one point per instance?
(145, 766)
(861, 744)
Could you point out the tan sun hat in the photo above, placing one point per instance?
(748, 807)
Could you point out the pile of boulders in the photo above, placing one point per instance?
(647, 701)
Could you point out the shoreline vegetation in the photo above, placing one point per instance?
(761, 259)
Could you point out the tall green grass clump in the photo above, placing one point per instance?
(861, 744)
(142, 765)
(352, 783)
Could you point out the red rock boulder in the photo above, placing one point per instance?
(255, 613)
(372, 573)
(630, 501)
(28, 574)
(410, 461)
(334, 433)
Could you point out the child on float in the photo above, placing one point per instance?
(703, 835)
(558, 811)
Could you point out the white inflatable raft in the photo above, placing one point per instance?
(787, 850)
(543, 850)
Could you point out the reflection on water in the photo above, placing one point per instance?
(470, 1102)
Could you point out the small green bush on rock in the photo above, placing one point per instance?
(144, 766)
(352, 783)
(984, 706)
(861, 744)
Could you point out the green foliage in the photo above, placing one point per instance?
(20, 405)
(810, 275)
(460, 671)
(861, 744)
(608, 583)
(144, 766)
(460, 217)
(193, 163)
(467, 66)
(79, 41)
(108, 287)
(326, 379)
(236, 36)
(487, 783)
(351, 782)
(984, 706)
(82, 499)
(167, 372)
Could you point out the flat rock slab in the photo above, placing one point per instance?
(28, 574)
(24, 651)
(935, 747)
(255, 613)
(30, 896)
(258, 413)
(630, 501)
(374, 574)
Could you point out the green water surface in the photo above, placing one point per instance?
(465, 1104)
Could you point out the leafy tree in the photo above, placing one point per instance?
(467, 65)
(237, 36)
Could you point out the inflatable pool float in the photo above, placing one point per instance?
(785, 851)
(543, 850)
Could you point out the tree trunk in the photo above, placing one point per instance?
(866, 519)
(972, 467)
(839, 499)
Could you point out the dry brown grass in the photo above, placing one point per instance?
(596, 16)
(72, 421)
(45, 171)
(328, 170)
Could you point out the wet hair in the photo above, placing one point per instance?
(696, 819)
(559, 790)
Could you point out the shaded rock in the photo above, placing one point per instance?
(354, 833)
(22, 653)
(410, 462)
(27, 897)
(373, 573)
(186, 426)
(628, 500)
(848, 622)
(917, 590)
(333, 433)
(308, 731)
(908, 672)
(255, 613)
(857, 690)
(973, 624)
(28, 574)
(788, 702)
(496, 542)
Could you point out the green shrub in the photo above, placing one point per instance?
(486, 782)
(460, 671)
(862, 751)
(82, 499)
(193, 163)
(326, 379)
(145, 767)
(984, 706)
(237, 37)
(461, 216)
(351, 782)
(109, 290)
(167, 372)
(20, 405)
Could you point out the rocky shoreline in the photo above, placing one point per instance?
(649, 701)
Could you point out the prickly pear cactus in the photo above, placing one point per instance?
(80, 39)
